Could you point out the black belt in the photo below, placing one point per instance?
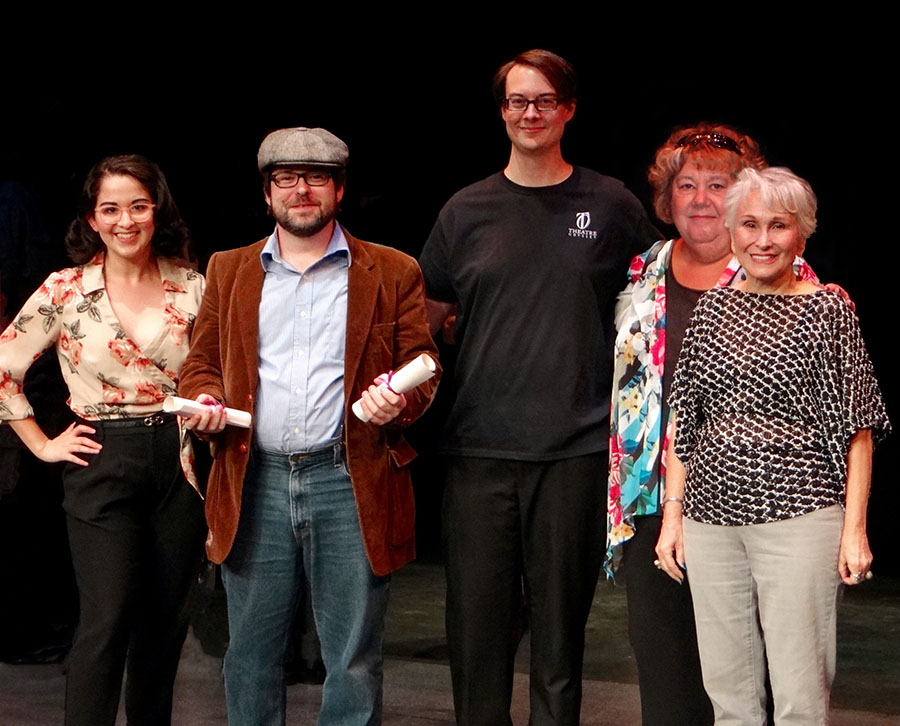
(333, 451)
(154, 419)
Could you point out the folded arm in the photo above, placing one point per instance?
(412, 338)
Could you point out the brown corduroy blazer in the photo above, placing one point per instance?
(387, 326)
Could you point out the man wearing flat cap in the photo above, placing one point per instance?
(295, 328)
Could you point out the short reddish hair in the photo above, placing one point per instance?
(673, 155)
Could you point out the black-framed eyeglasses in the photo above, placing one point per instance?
(714, 139)
(543, 102)
(286, 178)
(112, 213)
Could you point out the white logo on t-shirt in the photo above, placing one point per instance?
(582, 222)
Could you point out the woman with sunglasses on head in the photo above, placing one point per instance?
(120, 322)
(776, 412)
(690, 175)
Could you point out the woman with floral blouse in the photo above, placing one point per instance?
(120, 322)
(690, 175)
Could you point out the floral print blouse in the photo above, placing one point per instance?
(108, 375)
(638, 436)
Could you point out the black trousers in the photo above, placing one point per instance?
(663, 636)
(136, 531)
(509, 524)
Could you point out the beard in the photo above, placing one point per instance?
(306, 226)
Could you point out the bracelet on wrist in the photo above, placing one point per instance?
(672, 499)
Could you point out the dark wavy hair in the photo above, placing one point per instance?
(671, 158)
(170, 236)
(557, 70)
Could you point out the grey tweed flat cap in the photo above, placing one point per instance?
(302, 146)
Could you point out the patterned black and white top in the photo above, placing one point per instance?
(768, 391)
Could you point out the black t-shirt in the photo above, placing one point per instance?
(535, 271)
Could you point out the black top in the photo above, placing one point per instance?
(680, 304)
(535, 271)
(768, 391)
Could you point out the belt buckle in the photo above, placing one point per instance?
(153, 419)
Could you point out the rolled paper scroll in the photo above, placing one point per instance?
(417, 371)
(187, 407)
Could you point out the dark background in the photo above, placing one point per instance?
(415, 107)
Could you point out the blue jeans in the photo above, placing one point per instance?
(299, 519)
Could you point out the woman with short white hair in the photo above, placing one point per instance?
(776, 413)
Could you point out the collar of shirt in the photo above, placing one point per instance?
(173, 276)
(271, 254)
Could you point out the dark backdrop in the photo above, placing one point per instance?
(416, 110)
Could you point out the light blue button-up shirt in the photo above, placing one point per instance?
(302, 341)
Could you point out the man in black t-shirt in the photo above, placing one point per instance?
(531, 260)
